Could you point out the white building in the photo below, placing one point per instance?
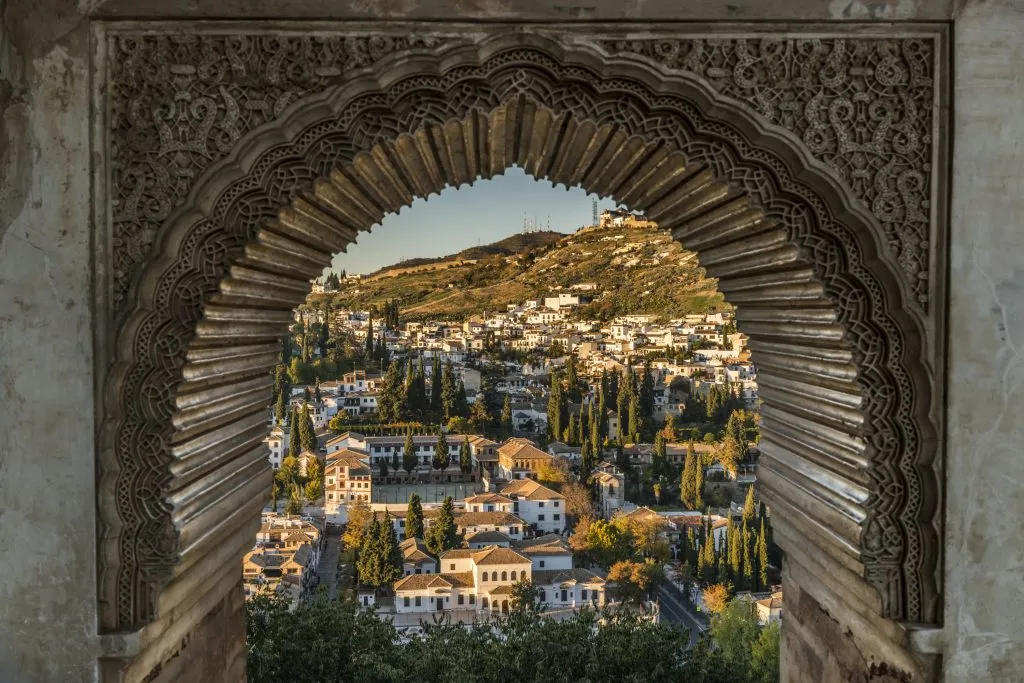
(540, 507)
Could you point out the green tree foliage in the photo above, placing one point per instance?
(314, 479)
(443, 534)
(635, 419)
(749, 507)
(607, 543)
(479, 417)
(359, 519)
(391, 397)
(414, 517)
(307, 432)
(294, 506)
(572, 381)
(465, 458)
(368, 563)
(698, 486)
(390, 553)
(294, 433)
(449, 392)
(327, 640)
(442, 457)
(688, 481)
(409, 453)
(557, 408)
(636, 580)
(659, 461)
(369, 348)
(436, 401)
(280, 409)
(735, 631)
(506, 417)
(762, 558)
(764, 656)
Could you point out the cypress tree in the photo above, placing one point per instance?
(280, 409)
(748, 562)
(735, 556)
(441, 455)
(465, 457)
(369, 339)
(294, 438)
(635, 424)
(506, 416)
(659, 466)
(409, 453)
(414, 517)
(572, 380)
(307, 431)
(691, 546)
(749, 508)
(436, 403)
(443, 534)
(369, 560)
(762, 558)
(390, 554)
(461, 401)
(698, 486)
(688, 480)
(294, 506)
(602, 407)
(396, 461)
(555, 425)
(449, 389)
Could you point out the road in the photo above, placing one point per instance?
(675, 610)
(328, 569)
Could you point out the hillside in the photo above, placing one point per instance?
(637, 270)
(510, 245)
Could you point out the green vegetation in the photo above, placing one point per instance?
(641, 270)
(335, 641)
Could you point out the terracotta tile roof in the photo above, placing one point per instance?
(531, 490)
(495, 555)
(495, 518)
(503, 589)
(488, 498)
(522, 449)
(415, 582)
(414, 551)
(488, 537)
(548, 577)
(457, 554)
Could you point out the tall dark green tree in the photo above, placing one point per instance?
(368, 563)
(414, 517)
(449, 392)
(465, 458)
(556, 403)
(390, 552)
(749, 507)
(506, 417)
(409, 453)
(698, 486)
(390, 397)
(646, 396)
(436, 401)
(307, 432)
(443, 534)
(572, 380)
(281, 409)
(294, 433)
(369, 339)
(762, 558)
(748, 560)
(635, 419)
(442, 458)
(659, 463)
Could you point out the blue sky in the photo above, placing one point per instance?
(487, 211)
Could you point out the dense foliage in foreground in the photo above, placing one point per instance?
(328, 642)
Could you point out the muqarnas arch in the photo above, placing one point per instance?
(847, 441)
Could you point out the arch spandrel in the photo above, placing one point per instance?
(844, 386)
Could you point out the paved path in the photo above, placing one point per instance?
(675, 610)
(328, 569)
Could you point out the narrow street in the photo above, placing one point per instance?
(675, 610)
(328, 567)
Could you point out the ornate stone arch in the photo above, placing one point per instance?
(847, 438)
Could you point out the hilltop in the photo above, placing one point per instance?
(636, 270)
(510, 245)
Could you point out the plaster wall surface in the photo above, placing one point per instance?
(984, 574)
(47, 524)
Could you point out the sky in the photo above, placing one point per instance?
(485, 212)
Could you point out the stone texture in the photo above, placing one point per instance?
(984, 611)
(47, 499)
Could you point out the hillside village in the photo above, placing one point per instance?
(528, 453)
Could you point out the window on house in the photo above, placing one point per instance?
(583, 594)
(556, 503)
(451, 566)
(462, 599)
(405, 601)
(418, 601)
(542, 564)
(540, 504)
(504, 576)
(540, 518)
(522, 575)
(472, 599)
(556, 517)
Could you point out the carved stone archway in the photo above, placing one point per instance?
(835, 325)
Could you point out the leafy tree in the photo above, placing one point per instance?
(716, 597)
(314, 479)
(359, 519)
(443, 534)
(659, 465)
(636, 580)
(368, 563)
(409, 453)
(764, 656)
(607, 543)
(735, 631)
(294, 506)
(578, 502)
(442, 458)
(288, 473)
(465, 457)
(478, 415)
(524, 595)
(506, 417)
(414, 517)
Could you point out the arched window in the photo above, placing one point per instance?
(522, 575)
(485, 602)
(504, 576)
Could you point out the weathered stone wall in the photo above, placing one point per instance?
(984, 575)
(47, 520)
